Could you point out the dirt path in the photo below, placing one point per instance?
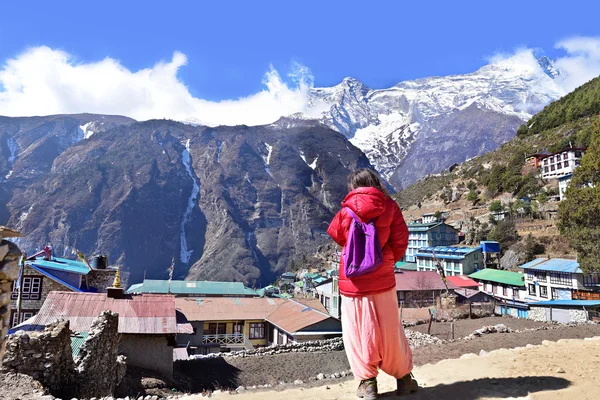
(561, 370)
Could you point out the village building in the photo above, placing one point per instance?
(464, 282)
(558, 279)
(563, 184)
(561, 163)
(328, 293)
(565, 311)
(454, 260)
(420, 288)
(193, 288)
(432, 234)
(41, 276)
(508, 288)
(230, 324)
(147, 323)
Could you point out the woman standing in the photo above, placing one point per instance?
(373, 335)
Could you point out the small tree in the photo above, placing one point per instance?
(472, 185)
(437, 215)
(472, 196)
(496, 206)
(579, 213)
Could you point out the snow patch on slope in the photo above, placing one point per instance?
(186, 254)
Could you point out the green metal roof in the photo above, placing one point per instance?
(422, 227)
(76, 342)
(499, 276)
(207, 288)
(313, 275)
(407, 266)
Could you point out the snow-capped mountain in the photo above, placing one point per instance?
(422, 126)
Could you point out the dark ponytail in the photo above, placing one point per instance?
(365, 178)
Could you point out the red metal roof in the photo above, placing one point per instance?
(226, 308)
(292, 317)
(145, 314)
(420, 280)
(463, 281)
(288, 315)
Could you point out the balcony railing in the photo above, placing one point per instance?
(228, 339)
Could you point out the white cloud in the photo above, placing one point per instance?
(581, 63)
(44, 81)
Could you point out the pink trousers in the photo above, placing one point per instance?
(373, 336)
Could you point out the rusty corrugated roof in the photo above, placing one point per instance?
(145, 314)
(292, 316)
(315, 304)
(226, 308)
(288, 315)
(421, 280)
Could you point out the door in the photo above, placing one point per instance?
(238, 328)
(561, 315)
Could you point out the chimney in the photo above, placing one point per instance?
(116, 291)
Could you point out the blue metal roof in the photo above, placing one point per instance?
(553, 264)
(61, 264)
(450, 252)
(580, 303)
(55, 278)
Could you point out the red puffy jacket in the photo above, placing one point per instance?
(368, 203)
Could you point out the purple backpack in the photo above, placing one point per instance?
(363, 251)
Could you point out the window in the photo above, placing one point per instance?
(539, 275)
(217, 329)
(31, 288)
(494, 288)
(532, 291)
(544, 291)
(326, 303)
(545, 169)
(552, 167)
(566, 163)
(546, 161)
(591, 279)
(559, 165)
(280, 337)
(505, 291)
(515, 293)
(565, 156)
(25, 315)
(238, 328)
(561, 278)
(257, 330)
(554, 292)
(489, 287)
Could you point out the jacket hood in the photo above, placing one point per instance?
(366, 202)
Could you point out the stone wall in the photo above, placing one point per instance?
(97, 372)
(48, 285)
(9, 271)
(537, 314)
(103, 278)
(47, 357)
(578, 316)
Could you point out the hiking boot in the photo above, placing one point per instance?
(406, 385)
(367, 389)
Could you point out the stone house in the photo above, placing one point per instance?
(507, 288)
(40, 277)
(147, 323)
(565, 311)
(230, 324)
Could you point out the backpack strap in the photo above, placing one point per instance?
(352, 214)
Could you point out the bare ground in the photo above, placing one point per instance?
(304, 366)
(554, 370)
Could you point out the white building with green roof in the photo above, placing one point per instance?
(429, 235)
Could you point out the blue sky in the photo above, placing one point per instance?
(230, 44)
(105, 56)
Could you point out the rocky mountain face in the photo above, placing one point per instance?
(226, 203)
(423, 126)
